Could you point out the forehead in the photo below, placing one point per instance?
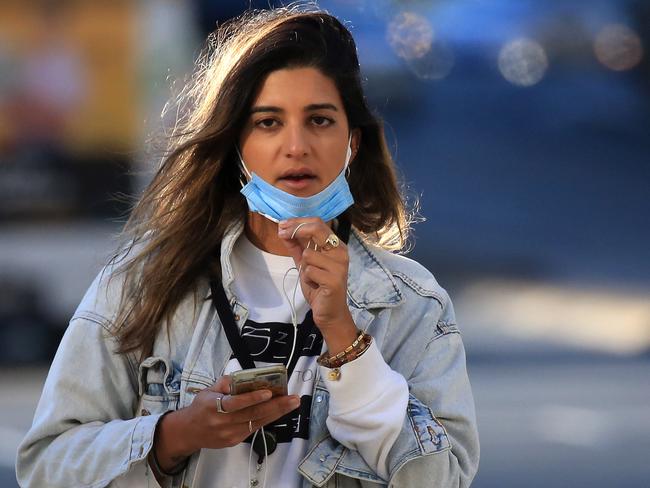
(297, 86)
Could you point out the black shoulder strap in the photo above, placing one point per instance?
(343, 230)
(230, 327)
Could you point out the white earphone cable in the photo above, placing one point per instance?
(294, 322)
(266, 456)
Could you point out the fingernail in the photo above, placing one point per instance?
(283, 223)
(265, 395)
(295, 402)
(282, 232)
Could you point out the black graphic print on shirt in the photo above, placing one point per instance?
(271, 342)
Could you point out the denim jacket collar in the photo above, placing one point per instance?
(370, 284)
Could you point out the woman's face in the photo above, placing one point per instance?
(296, 134)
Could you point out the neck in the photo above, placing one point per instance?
(263, 233)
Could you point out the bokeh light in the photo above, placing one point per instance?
(618, 47)
(523, 62)
(410, 35)
(436, 64)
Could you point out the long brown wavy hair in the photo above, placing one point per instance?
(169, 241)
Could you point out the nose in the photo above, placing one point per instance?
(296, 143)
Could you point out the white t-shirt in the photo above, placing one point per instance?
(367, 404)
(268, 333)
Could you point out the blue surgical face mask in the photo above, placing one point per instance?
(277, 205)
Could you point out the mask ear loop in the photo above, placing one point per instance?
(348, 157)
(242, 165)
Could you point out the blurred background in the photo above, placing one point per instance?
(522, 127)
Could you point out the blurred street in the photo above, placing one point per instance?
(555, 423)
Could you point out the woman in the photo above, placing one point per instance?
(273, 215)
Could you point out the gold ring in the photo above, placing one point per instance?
(331, 242)
(250, 426)
(219, 406)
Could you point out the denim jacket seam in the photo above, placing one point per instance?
(443, 329)
(373, 304)
(357, 474)
(407, 458)
(197, 377)
(415, 430)
(420, 290)
(100, 320)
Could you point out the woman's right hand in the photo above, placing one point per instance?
(181, 433)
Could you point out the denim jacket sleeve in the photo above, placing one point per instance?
(447, 442)
(412, 319)
(439, 441)
(84, 433)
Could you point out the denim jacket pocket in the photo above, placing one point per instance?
(159, 386)
(422, 435)
(429, 432)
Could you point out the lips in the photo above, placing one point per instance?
(297, 179)
(297, 174)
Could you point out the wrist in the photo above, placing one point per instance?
(350, 353)
(172, 445)
(339, 337)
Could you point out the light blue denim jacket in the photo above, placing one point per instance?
(95, 421)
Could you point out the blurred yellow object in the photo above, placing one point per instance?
(91, 51)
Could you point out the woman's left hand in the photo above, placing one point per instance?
(323, 276)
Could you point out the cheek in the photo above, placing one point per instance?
(256, 155)
(334, 162)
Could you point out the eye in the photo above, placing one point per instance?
(321, 121)
(268, 123)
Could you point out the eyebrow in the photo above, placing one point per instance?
(308, 108)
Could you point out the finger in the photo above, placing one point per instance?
(321, 278)
(235, 403)
(305, 230)
(335, 269)
(295, 250)
(334, 260)
(286, 232)
(299, 220)
(273, 409)
(222, 385)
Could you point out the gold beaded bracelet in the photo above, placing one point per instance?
(350, 353)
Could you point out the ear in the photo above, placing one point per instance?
(355, 143)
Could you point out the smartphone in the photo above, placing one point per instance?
(272, 378)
